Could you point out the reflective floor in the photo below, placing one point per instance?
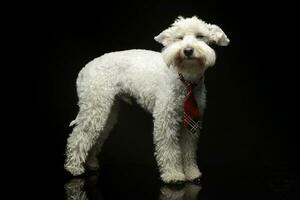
(137, 182)
(87, 188)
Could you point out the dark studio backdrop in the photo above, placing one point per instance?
(250, 117)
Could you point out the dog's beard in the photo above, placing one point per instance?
(190, 66)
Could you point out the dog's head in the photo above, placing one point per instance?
(187, 44)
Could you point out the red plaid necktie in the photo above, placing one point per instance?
(192, 115)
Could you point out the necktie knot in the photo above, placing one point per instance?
(188, 84)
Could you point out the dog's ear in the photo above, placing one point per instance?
(165, 37)
(217, 35)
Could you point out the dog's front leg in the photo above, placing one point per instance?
(167, 147)
(188, 143)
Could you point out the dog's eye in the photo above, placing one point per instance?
(200, 36)
(179, 38)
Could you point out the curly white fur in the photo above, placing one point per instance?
(151, 78)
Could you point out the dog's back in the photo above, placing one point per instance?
(131, 72)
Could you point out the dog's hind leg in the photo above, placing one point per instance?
(92, 162)
(95, 105)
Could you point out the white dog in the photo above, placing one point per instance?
(161, 83)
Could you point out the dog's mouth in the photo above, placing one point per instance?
(191, 65)
(190, 58)
(192, 61)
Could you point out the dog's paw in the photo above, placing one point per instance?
(75, 170)
(192, 173)
(173, 178)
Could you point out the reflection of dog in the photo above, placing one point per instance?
(81, 189)
(75, 189)
(189, 191)
(152, 79)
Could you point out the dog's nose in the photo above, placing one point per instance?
(188, 51)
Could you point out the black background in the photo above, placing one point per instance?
(249, 135)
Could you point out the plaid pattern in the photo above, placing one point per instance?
(192, 115)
